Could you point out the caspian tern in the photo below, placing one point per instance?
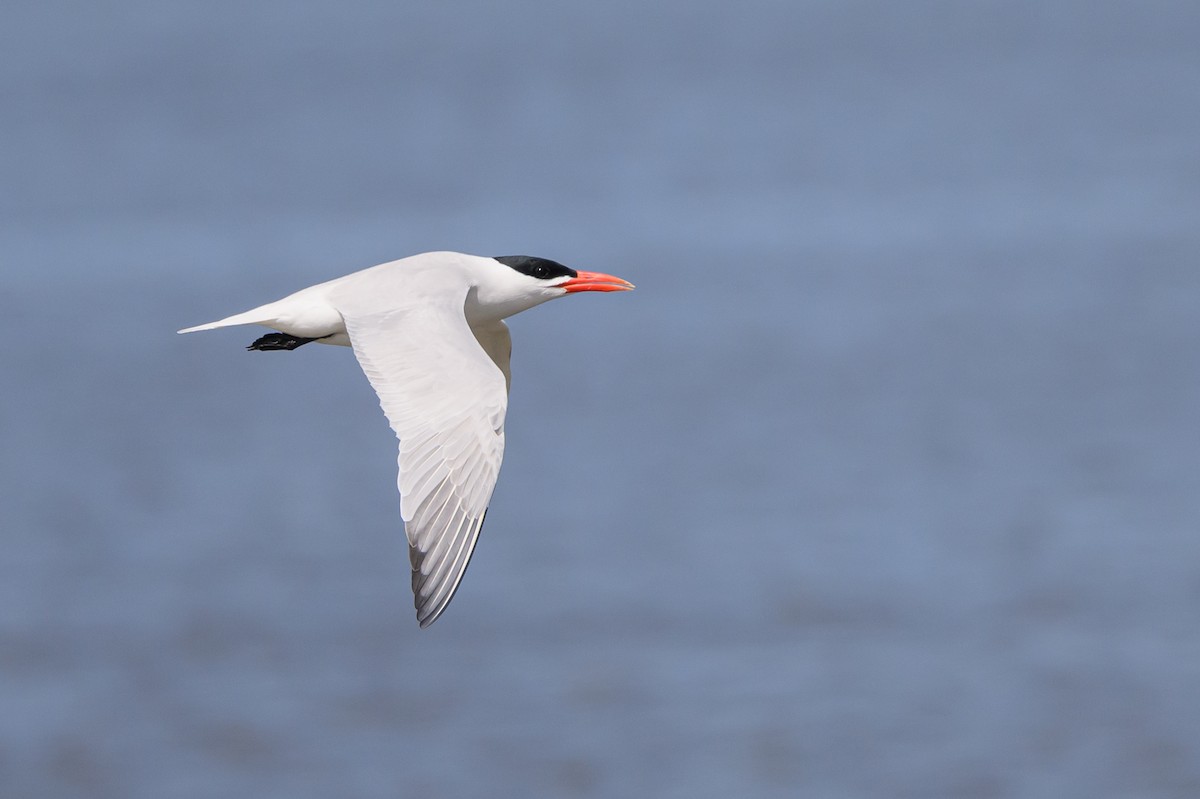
(428, 331)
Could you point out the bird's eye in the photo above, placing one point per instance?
(541, 272)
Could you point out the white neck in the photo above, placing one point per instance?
(499, 292)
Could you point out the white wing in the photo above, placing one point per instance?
(497, 343)
(445, 398)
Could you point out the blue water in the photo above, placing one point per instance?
(883, 483)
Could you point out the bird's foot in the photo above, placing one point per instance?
(279, 341)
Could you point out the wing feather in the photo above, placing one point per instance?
(445, 397)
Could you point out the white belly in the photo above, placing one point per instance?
(337, 339)
(308, 316)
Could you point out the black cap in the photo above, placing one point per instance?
(541, 268)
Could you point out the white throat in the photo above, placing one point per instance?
(499, 292)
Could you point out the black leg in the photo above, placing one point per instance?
(279, 341)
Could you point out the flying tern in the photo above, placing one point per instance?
(429, 333)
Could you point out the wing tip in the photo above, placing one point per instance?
(431, 608)
(429, 612)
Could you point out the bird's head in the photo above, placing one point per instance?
(522, 281)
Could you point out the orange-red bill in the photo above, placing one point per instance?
(595, 281)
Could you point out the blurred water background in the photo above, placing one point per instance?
(883, 484)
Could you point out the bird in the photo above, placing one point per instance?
(429, 333)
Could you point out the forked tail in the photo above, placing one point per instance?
(263, 315)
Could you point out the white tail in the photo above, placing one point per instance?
(262, 315)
